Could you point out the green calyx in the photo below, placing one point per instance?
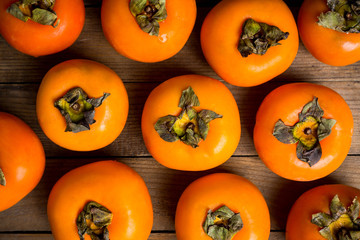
(40, 11)
(2, 178)
(258, 37)
(344, 16)
(190, 126)
(222, 224)
(148, 14)
(307, 133)
(78, 109)
(341, 223)
(94, 220)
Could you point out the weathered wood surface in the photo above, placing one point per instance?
(20, 76)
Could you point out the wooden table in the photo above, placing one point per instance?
(20, 76)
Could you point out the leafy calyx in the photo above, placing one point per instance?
(307, 132)
(40, 11)
(344, 16)
(94, 220)
(190, 126)
(78, 109)
(222, 224)
(341, 223)
(2, 178)
(258, 37)
(148, 14)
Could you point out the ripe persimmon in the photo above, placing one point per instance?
(222, 206)
(303, 131)
(82, 105)
(325, 212)
(22, 160)
(41, 27)
(148, 31)
(249, 42)
(105, 200)
(336, 44)
(191, 122)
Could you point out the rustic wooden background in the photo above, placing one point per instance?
(20, 76)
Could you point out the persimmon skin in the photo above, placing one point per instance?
(299, 226)
(127, 38)
(95, 79)
(36, 39)
(285, 103)
(213, 191)
(224, 133)
(22, 160)
(326, 45)
(220, 35)
(109, 183)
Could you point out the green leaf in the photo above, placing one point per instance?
(321, 219)
(188, 99)
(191, 138)
(326, 233)
(137, 6)
(16, 12)
(96, 102)
(324, 128)
(230, 223)
(332, 20)
(336, 207)
(204, 117)
(258, 37)
(312, 109)
(2, 178)
(355, 234)
(310, 156)
(284, 133)
(164, 128)
(191, 112)
(353, 210)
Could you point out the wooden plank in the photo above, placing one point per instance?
(19, 99)
(166, 186)
(17, 67)
(153, 236)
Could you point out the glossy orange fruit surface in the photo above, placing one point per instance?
(221, 32)
(214, 191)
(285, 103)
(224, 133)
(36, 39)
(95, 79)
(327, 45)
(22, 160)
(113, 185)
(318, 199)
(127, 38)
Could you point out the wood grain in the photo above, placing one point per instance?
(20, 76)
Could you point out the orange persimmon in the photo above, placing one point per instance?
(22, 160)
(222, 35)
(179, 141)
(327, 45)
(110, 184)
(63, 109)
(311, 207)
(212, 192)
(165, 32)
(36, 39)
(303, 121)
